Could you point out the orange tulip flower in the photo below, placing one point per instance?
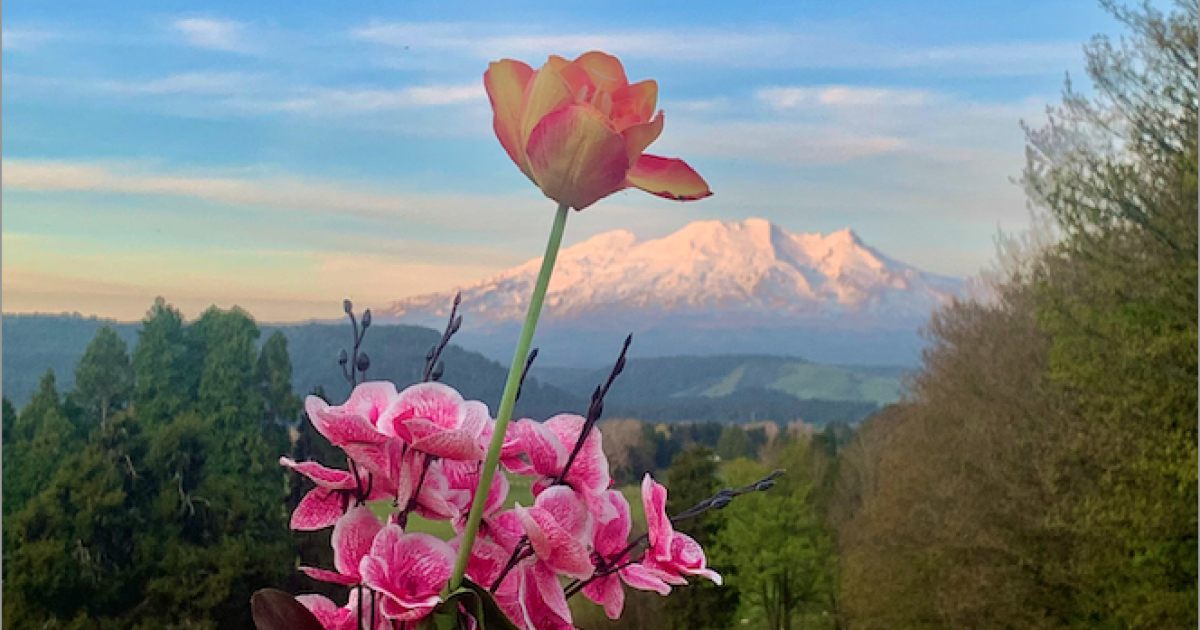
(578, 130)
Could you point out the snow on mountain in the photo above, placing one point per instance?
(730, 273)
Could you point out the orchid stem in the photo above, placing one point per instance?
(510, 397)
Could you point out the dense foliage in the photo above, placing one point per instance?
(1044, 473)
(149, 496)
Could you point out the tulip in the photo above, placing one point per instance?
(578, 130)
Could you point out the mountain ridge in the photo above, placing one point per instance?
(711, 287)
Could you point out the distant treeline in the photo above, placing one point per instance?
(657, 390)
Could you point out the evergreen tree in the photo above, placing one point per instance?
(41, 436)
(104, 375)
(165, 365)
(274, 374)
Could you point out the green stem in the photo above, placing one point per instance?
(510, 396)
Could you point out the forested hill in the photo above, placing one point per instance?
(726, 389)
(35, 343)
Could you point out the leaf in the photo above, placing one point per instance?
(490, 616)
(274, 609)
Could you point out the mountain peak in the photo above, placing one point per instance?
(736, 271)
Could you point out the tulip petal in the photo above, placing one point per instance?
(635, 103)
(546, 92)
(670, 178)
(505, 82)
(638, 136)
(606, 71)
(575, 156)
(577, 78)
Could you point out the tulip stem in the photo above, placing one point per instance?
(510, 397)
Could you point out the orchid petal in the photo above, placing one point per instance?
(328, 614)
(352, 537)
(331, 478)
(320, 508)
(654, 502)
(332, 577)
(607, 592)
(640, 578)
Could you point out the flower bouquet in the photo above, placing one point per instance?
(577, 129)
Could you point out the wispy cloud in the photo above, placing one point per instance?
(799, 46)
(778, 142)
(335, 101)
(213, 34)
(20, 39)
(189, 83)
(287, 193)
(841, 96)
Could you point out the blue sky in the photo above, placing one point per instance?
(284, 155)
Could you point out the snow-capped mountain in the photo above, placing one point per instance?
(751, 268)
(745, 282)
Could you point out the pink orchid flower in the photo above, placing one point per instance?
(437, 500)
(352, 538)
(353, 425)
(559, 528)
(433, 418)
(540, 602)
(408, 571)
(334, 617)
(464, 476)
(611, 544)
(672, 554)
(548, 445)
(324, 504)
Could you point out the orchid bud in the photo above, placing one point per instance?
(347, 306)
(342, 357)
(366, 318)
(364, 362)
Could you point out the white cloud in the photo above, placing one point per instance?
(775, 142)
(800, 46)
(19, 39)
(189, 83)
(287, 193)
(213, 34)
(333, 101)
(841, 96)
